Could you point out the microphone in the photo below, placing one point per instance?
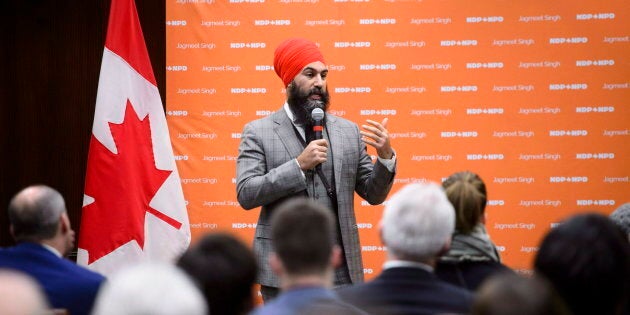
(318, 122)
(317, 114)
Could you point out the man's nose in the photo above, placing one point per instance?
(319, 81)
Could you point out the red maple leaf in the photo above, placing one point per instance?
(122, 186)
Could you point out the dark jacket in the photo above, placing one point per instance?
(408, 291)
(66, 285)
(468, 274)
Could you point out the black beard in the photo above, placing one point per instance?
(302, 106)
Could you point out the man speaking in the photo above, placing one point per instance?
(300, 150)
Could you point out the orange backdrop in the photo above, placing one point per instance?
(533, 96)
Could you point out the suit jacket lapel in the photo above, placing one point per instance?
(337, 141)
(284, 130)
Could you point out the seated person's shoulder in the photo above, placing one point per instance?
(332, 307)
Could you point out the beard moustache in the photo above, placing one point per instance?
(302, 106)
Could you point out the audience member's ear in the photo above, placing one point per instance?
(335, 256)
(445, 248)
(483, 219)
(63, 225)
(380, 232)
(276, 264)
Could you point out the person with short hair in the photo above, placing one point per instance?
(587, 259)
(21, 295)
(621, 217)
(472, 256)
(511, 294)
(282, 156)
(416, 227)
(40, 225)
(150, 288)
(225, 270)
(304, 258)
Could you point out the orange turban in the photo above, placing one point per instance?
(292, 56)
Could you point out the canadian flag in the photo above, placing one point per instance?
(133, 207)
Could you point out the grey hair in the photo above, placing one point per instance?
(417, 222)
(35, 212)
(621, 217)
(150, 288)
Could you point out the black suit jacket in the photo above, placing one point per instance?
(469, 274)
(408, 291)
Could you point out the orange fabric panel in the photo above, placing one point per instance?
(533, 97)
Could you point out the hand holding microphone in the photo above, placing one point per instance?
(316, 152)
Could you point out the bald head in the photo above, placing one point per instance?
(20, 295)
(35, 213)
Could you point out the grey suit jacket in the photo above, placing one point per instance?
(267, 174)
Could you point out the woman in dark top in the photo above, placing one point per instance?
(472, 256)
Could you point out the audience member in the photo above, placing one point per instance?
(225, 270)
(587, 259)
(621, 217)
(150, 288)
(416, 227)
(304, 259)
(20, 294)
(40, 225)
(510, 294)
(472, 256)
